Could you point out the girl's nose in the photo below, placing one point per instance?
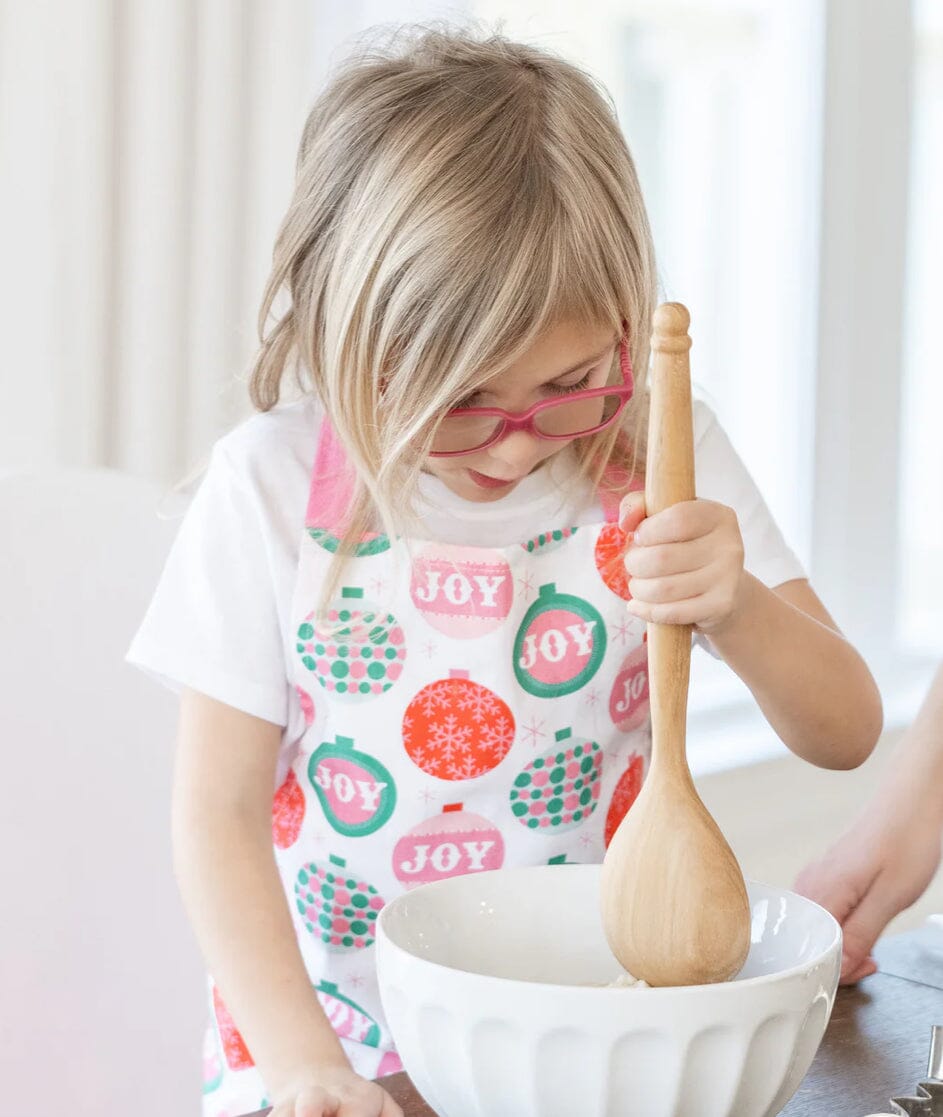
(517, 454)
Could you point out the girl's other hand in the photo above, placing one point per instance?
(685, 564)
(336, 1092)
(881, 866)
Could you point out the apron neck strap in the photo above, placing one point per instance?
(332, 484)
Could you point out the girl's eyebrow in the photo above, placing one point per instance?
(567, 372)
(585, 361)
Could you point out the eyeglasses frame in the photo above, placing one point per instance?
(524, 420)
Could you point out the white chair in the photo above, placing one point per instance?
(101, 986)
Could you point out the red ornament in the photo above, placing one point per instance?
(233, 1045)
(626, 792)
(610, 560)
(288, 812)
(455, 729)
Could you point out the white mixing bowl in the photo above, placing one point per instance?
(491, 986)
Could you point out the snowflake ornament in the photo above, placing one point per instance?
(456, 729)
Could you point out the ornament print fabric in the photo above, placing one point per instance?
(466, 709)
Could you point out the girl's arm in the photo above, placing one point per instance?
(222, 830)
(886, 860)
(686, 567)
(814, 688)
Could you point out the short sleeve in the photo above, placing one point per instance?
(213, 623)
(722, 477)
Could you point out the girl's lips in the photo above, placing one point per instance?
(486, 482)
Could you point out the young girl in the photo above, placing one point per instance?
(405, 601)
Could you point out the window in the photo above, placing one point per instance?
(721, 105)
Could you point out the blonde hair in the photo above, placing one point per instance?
(456, 195)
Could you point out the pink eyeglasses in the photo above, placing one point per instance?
(469, 429)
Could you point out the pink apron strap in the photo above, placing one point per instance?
(332, 484)
(615, 482)
(613, 486)
(610, 503)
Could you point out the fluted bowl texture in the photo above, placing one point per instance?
(494, 988)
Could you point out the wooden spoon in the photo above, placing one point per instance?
(674, 904)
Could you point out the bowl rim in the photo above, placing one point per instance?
(722, 988)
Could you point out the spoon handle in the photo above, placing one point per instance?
(669, 479)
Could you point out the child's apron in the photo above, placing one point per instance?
(467, 708)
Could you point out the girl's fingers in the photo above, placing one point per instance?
(668, 558)
(691, 611)
(676, 588)
(681, 522)
(367, 1107)
(315, 1103)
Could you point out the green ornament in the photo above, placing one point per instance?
(560, 644)
(356, 791)
(364, 549)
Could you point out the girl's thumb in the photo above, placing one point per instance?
(631, 511)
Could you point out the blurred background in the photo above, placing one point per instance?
(791, 156)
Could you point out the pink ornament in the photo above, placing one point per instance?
(560, 644)
(449, 845)
(389, 1064)
(628, 702)
(307, 705)
(346, 1017)
(461, 591)
(356, 791)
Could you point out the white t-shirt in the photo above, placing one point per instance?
(219, 620)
